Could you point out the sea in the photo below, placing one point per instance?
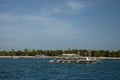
(41, 69)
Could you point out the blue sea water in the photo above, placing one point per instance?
(41, 69)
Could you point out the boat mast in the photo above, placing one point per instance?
(78, 52)
(89, 53)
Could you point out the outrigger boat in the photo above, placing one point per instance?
(75, 58)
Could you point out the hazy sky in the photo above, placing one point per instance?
(60, 24)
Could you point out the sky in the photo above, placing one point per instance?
(60, 24)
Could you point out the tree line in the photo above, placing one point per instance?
(81, 52)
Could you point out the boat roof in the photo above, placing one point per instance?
(69, 55)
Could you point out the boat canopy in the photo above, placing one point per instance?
(69, 55)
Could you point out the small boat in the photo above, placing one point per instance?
(75, 58)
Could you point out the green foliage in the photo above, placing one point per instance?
(84, 52)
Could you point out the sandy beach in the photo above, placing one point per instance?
(16, 56)
(51, 57)
(109, 57)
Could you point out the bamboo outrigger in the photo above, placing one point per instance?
(75, 58)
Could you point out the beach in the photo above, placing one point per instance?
(51, 57)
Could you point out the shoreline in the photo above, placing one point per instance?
(51, 57)
(108, 58)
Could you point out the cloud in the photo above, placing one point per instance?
(39, 25)
(57, 10)
(47, 20)
(52, 11)
(66, 7)
(78, 5)
(51, 26)
(9, 17)
(4, 17)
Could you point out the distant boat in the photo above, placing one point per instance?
(75, 58)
